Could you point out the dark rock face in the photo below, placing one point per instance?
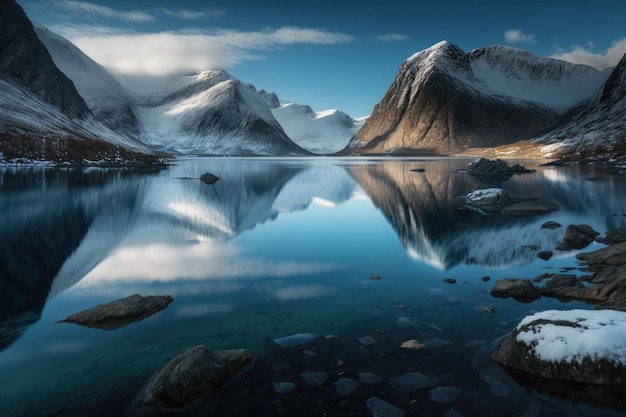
(515, 354)
(577, 237)
(26, 62)
(519, 289)
(426, 110)
(191, 375)
(120, 313)
(484, 166)
(545, 255)
(551, 225)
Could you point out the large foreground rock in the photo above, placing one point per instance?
(120, 313)
(193, 374)
(580, 346)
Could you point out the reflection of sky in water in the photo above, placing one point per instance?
(275, 248)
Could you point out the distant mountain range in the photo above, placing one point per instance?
(443, 101)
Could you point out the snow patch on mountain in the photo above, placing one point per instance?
(506, 72)
(324, 132)
(103, 94)
(213, 113)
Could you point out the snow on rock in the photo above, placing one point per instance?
(584, 346)
(597, 334)
(484, 194)
(322, 132)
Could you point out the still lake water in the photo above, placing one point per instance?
(275, 248)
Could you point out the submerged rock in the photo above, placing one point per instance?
(445, 395)
(345, 386)
(295, 340)
(367, 340)
(369, 378)
(283, 387)
(551, 225)
(314, 378)
(413, 345)
(380, 408)
(209, 178)
(193, 374)
(120, 313)
(413, 381)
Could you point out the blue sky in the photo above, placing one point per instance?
(327, 54)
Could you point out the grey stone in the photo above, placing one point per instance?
(380, 408)
(545, 255)
(413, 381)
(283, 387)
(120, 313)
(295, 340)
(577, 237)
(551, 225)
(445, 395)
(369, 378)
(345, 386)
(520, 289)
(193, 374)
(314, 378)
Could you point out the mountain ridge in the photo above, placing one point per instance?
(445, 101)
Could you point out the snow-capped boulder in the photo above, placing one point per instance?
(583, 346)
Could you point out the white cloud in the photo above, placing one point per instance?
(186, 14)
(393, 37)
(517, 36)
(585, 55)
(103, 11)
(169, 53)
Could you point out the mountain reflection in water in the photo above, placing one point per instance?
(274, 246)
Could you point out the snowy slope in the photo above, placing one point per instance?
(213, 113)
(598, 125)
(512, 73)
(323, 132)
(104, 95)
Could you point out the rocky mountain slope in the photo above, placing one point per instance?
(444, 100)
(25, 62)
(109, 102)
(597, 126)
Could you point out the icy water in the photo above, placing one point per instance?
(277, 248)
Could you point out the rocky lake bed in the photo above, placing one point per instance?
(449, 296)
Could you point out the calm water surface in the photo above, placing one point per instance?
(275, 248)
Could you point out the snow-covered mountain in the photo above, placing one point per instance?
(213, 113)
(324, 132)
(444, 100)
(109, 102)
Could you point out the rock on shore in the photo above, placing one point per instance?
(582, 346)
(191, 375)
(120, 313)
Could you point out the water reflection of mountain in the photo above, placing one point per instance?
(46, 216)
(423, 208)
(247, 194)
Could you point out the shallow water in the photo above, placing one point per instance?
(276, 248)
